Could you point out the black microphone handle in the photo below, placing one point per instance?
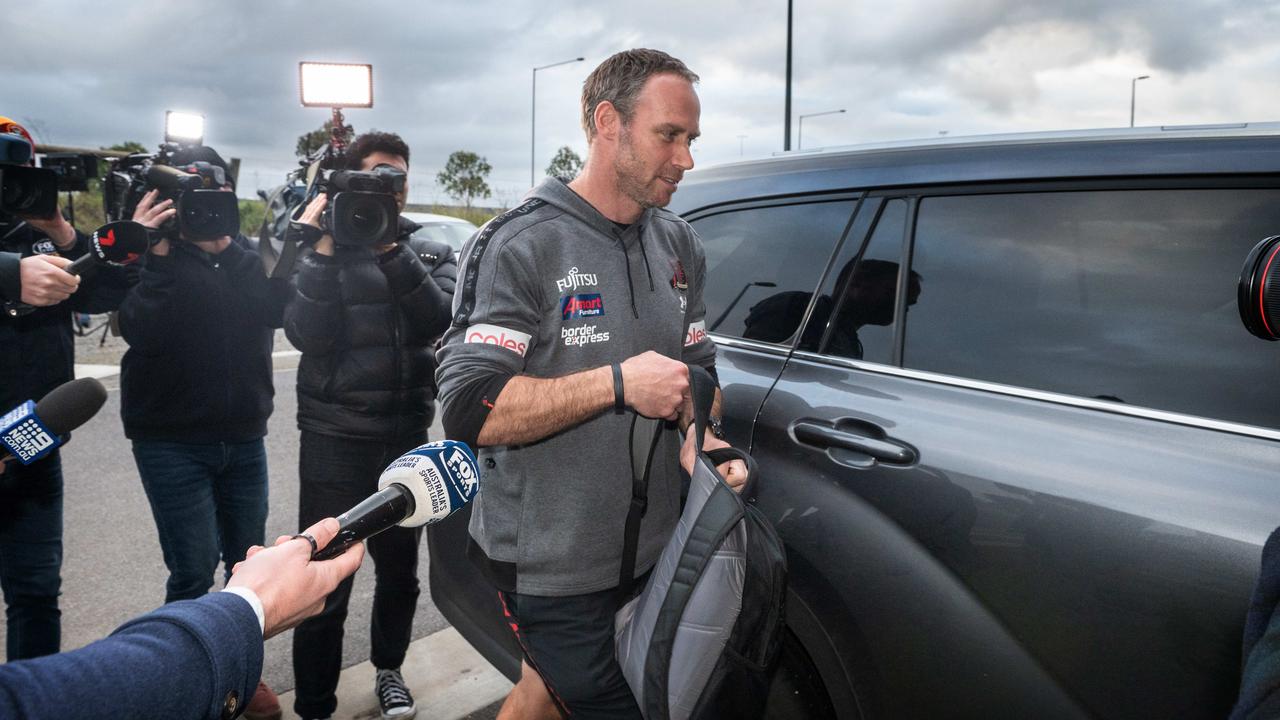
(380, 511)
(82, 263)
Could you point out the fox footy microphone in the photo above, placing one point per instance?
(34, 429)
(425, 485)
(117, 243)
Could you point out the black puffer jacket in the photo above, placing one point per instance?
(367, 328)
(37, 351)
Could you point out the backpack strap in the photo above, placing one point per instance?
(702, 389)
(639, 497)
(720, 456)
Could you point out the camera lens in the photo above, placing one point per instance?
(367, 221)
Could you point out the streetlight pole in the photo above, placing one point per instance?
(800, 135)
(1133, 95)
(786, 123)
(533, 116)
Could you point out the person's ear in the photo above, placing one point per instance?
(608, 120)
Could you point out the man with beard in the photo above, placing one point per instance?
(577, 309)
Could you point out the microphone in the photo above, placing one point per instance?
(117, 243)
(423, 486)
(33, 430)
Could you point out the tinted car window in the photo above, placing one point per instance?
(1128, 296)
(763, 265)
(862, 291)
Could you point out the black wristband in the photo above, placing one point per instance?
(619, 398)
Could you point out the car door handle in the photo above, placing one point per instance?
(825, 436)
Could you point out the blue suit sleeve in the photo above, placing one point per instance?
(185, 660)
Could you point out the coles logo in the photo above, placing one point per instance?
(576, 306)
(696, 334)
(513, 340)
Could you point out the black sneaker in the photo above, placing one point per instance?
(394, 697)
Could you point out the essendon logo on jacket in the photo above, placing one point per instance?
(513, 340)
(697, 333)
(576, 306)
(679, 280)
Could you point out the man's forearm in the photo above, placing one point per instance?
(530, 408)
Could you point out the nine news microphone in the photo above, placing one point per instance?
(425, 485)
(34, 429)
(117, 243)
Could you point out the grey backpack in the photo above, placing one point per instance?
(701, 638)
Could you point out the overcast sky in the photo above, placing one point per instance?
(456, 75)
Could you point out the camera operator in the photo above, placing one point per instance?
(37, 355)
(196, 392)
(366, 317)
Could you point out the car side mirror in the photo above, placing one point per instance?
(1259, 291)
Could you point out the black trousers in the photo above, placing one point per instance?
(336, 473)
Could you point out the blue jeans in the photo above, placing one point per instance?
(31, 556)
(208, 501)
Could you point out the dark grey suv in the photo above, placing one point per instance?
(1020, 448)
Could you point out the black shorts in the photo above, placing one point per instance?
(569, 642)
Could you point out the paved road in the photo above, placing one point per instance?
(113, 569)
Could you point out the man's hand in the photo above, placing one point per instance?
(311, 216)
(43, 280)
(734, 472)
(654, 385)
(290, 585)
(56, 227)
(153, 214)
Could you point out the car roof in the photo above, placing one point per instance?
(423, 217)
(1244, 148)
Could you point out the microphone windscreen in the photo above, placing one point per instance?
(70, 405)
(121, 242)
(442, 476)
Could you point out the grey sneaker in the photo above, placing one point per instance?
(394, 697)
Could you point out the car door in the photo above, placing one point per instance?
(1036, 485)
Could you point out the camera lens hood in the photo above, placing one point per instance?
(1259, 291)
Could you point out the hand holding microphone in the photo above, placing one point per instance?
(288, 582)
(425, 485)
(50, 279)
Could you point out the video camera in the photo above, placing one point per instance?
(205, 211)
(25, 190)
(73, 169)
(363, 210)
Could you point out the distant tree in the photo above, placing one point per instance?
(129, 146)
(314, 140)
(565, 165)
(463, 177)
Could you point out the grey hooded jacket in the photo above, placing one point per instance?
(549, 289)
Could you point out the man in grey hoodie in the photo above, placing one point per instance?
(575, 310)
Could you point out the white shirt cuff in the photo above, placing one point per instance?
(254, 601)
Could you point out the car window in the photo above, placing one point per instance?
(861, 291)
(451, 234)
(1126, 296)
(763, 265)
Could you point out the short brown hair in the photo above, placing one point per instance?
(620, 80)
